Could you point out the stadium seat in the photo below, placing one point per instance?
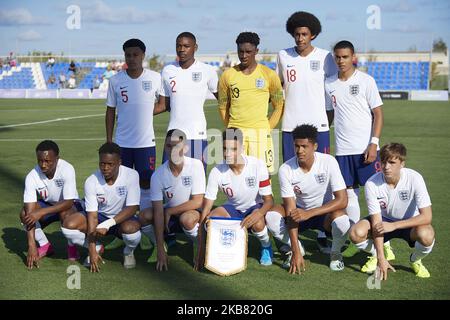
(400, 75)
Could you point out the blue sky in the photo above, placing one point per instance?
(106, 24)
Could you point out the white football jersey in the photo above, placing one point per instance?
(303, 82)
(61, 187)
(244, 190)
(352, 101)
(314, 188)
(402, 202)
(135, 101)
(111, 199)
(187, 90)
(178, 190)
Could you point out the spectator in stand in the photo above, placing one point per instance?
(11, 59)
(72, 82)
(62, 81)
(72, 67)
(95, 83)
(50, 62)
(108, 73)
(117, 66)
(1, 63)
(51, 79)
(227, 62)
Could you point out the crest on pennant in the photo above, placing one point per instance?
(314, 65)
(227, 237)
(196, 76)
(146, 86)
(354, 89)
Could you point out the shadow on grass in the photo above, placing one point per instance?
(15, 240)
(5, 129)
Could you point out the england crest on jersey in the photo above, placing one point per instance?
(260, 83)
(320, 178)
(59, 183)
(251, 182)
(227, 237)
(186, 180)
(314, 65)
(196, 76)
(146, 86)
(403, 195)
(121, 191)
(354, 89)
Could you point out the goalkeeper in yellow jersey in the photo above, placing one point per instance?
(244, 95)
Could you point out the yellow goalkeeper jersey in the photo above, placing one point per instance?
(244, 99)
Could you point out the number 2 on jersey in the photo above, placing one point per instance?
(172, 84)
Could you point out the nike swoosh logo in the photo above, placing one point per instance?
(170, 78)
(123, 87)
(233, 84)
(224, 184)
(290, 65)
(332, 91)
(167, 188)
(378, 198)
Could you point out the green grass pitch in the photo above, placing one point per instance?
(423, 126)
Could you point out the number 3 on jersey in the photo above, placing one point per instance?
(124, 94)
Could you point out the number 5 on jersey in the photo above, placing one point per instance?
(124, 95)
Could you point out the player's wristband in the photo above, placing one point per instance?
(375, 140)
(107, 224)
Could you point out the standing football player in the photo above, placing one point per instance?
(354, 102)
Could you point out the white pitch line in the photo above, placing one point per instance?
(48, 121)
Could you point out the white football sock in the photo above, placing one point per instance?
(420, 251)
(353, 210)
(39, 235)
(74, 236)
(149, 231)
(263, 237)
(339, 230)
(131, 242)
(192, 234)
(277, 226)
(367, 246)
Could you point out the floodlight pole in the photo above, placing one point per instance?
(431, 62)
